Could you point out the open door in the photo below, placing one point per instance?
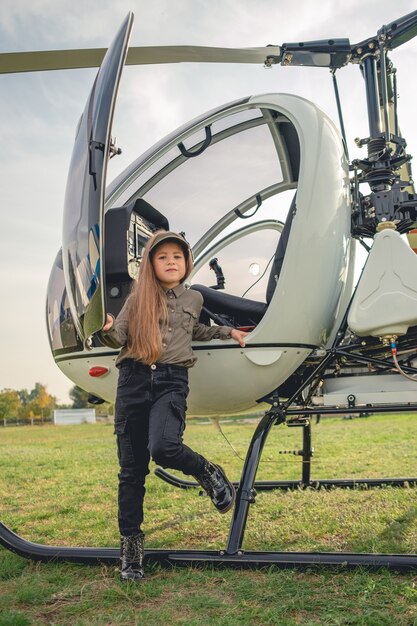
(83, 236)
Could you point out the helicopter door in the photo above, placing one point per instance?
(83, 235)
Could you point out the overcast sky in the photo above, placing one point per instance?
(39, 112)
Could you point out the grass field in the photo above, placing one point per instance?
(58, 486)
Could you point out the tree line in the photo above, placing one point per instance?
(38, 404)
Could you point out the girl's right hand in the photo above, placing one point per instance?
(109, 323)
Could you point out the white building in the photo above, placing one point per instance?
(74, 416)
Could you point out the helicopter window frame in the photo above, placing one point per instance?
(280, 145)
(288, 182)
(119, 192)
(243, 207)
(181, 159)
(247, 229)
(269, 118)
(226, 302)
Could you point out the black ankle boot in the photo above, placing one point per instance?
(131, 557)
(214, 481)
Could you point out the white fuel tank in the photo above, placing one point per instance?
(385, 302)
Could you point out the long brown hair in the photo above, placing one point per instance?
(147, 305)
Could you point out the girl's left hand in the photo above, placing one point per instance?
(239, 336)
(108, 324)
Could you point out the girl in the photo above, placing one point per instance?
(155, 329)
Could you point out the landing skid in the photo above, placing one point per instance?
(250, 559)
(291, 485)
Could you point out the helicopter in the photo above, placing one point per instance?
(222, 179)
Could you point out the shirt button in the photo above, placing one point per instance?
(170, 329)
(153, 366)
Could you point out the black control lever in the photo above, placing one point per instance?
(214, 265)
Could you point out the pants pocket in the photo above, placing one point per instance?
(175, 418)
(124, 443)
(125, 376)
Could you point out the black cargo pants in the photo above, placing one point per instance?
(149, 422)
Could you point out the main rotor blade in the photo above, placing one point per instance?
(13, 62)
(400, 31)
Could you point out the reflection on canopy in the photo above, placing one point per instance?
(60, 325)
(201, 190)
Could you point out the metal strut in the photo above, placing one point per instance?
(245, 493)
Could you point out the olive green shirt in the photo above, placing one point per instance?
(182, 326)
